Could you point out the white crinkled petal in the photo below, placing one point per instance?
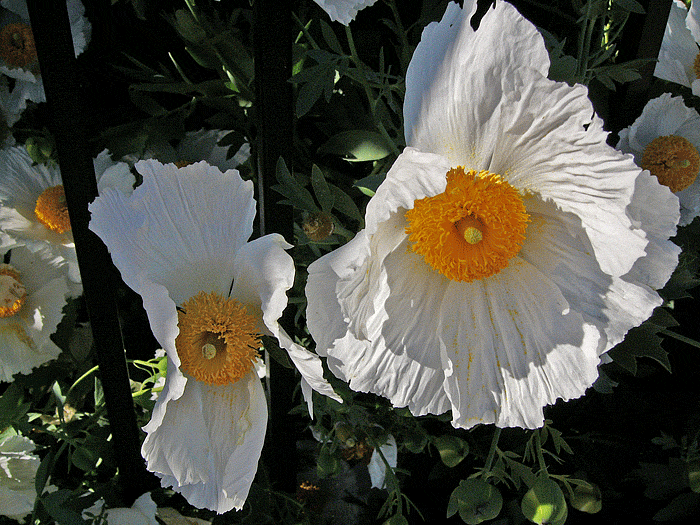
(343, 11)
(180, 228)
(678, 49)
(142, 512)
(454, 66)
(264, 272)
(18, 468)
(209, 442)
(377, 467)
(203, 145)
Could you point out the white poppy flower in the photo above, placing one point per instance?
(18, 58)
(33, 208)
(665, 140)
(678, 57)
(377, 467)
(18, 467)
(508, 248)
(181, 242)
(142, 512)
(344, 11)
(33, 293)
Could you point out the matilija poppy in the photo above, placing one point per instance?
(665, 140)
(679, 59)
(509, 247)
(181, 242)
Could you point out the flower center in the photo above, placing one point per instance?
(52, 211)
(17, 45)
(674, 161)
(12, 291)
(472, 229)
(217, 343)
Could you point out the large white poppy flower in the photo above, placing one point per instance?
(33, 293)
(142, 512)
(508, 248)
(33, 208)
(678, 57)
(18, 57)
(181, 241)
(665, 140)
(18, 467)
(344, 11)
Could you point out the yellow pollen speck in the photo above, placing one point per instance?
(52, 211)
(182, 163)
(217, 343)
(17, 45)
(673, 160)
(696, 66)
(472, 229)
(13, 294)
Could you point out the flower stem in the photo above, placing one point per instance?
(492, 451)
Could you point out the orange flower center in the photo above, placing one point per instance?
(12, 292)
(674, 161)
(472, 229)
(52, 211)
(17, 45)
(217, 343)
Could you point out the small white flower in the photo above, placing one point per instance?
(18, 467)
(18, 58)
(678, 57)
(509, 246)
(33, 208)
(665, 140)
(181, 242)
(344, 11)
(33, 293)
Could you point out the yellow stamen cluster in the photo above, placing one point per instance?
(472, 229)
(17, 45)
(217, 343)
(52, 211)
(13, 294)
(674, 161)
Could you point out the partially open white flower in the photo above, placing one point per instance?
(678, 57)
(18, 467)
(665, 140)
(18, 57)
(344, 11)
(181, 241)
(33, 293)
(33, 207)
(508, 248)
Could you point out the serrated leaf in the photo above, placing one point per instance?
(357, 145)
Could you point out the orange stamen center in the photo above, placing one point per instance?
(12, 292)
(674, 161)
(472, 229)
(17, 45)
(217, 343)
(52, 211)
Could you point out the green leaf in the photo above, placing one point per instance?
(587, 499)
(344, 203)
(476, 501)
(330, 38)
(544, 503)
(323, 193)
(357, 145)
(694, 475)
(396, 519)
(288, 186)
(12, 405)
(368, 185)
(452, 449)
(631, 5)
(327, 463)
(58, 505)
(188, 27)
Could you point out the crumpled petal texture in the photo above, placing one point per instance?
(499, 349)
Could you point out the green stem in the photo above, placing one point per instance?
(492, 451)
(85, 375)
(679, 337)
(538, 451)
